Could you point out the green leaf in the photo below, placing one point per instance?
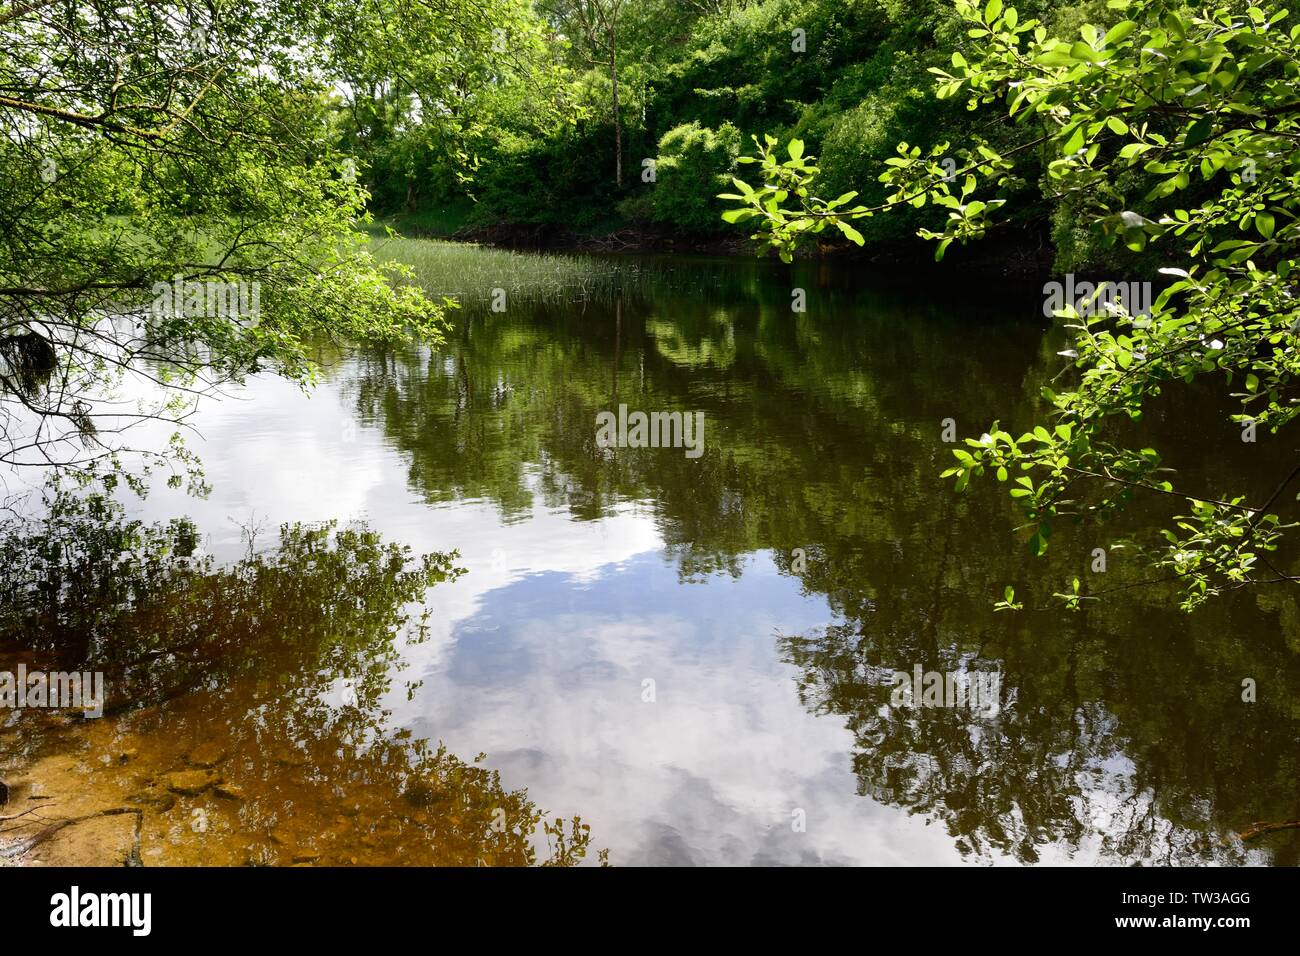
(1074, 141)
(1057, 56)
(850, 232)
(1119, 31)
(1199, 131)
(1081, 51)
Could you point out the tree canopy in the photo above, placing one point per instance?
(155, 153)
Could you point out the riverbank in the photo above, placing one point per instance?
(1022, 254)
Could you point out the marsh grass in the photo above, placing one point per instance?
(469, 273)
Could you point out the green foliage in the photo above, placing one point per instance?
(782, 180)
(170, 147)
(863, 136)
(692, 165)
(423, 88)
(543, 146)
(1202, 105)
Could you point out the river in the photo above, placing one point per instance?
(692, 654)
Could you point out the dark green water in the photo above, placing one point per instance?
(768, 588)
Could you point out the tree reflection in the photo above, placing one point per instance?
(249, 696)
(1126, 737)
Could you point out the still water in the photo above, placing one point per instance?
(693, 656)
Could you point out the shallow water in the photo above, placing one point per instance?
(692, 655)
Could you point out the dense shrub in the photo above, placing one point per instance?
(693, 165)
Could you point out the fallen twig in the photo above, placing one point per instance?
(1259, 829)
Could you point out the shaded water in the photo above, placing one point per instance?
(692, 655)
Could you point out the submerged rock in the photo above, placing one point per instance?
(154, 796)
(108, 840)
(190, 783)
(207, 754)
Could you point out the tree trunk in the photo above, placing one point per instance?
(618, 119)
